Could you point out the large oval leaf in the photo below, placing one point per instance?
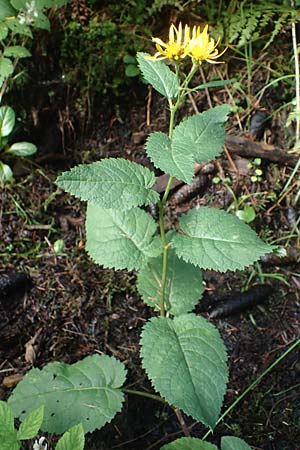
(7, 120)
(111, 183)
(121, 239)
(185, 359)
(233, 443)
(189, 443)
(87, 392)
(212, 239)
(158, 74)
(184, 285)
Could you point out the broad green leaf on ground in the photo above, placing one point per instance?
(121, 239)
(202, 134)
(86, 392)
(189, 443)
(6, 418)
(111, 183)
(158, 74)
(29, 428)
(184, 285)
(22, 149)
(185, 359)
(16, 51)
(233, 443)
(7, 120)
(169, 157)
(73, 439)
(213, 239)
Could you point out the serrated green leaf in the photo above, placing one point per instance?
(31, 424)
(203, 134)
(184, 285)
(185, 359)
(8, 441)
(158, 74)
(6, 418)
(169, 157)
(212, 239)
(111, 183)
(22, 149)
(73, 439)
(5, 173)
(233, 443)
(17, 51)
(7, 120)
(86, 392)
(189, 443)
(121, 239)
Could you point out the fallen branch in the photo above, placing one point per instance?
(245, 147)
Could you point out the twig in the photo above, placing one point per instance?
(149, 99)
(206, 89)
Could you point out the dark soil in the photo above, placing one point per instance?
(76, 308)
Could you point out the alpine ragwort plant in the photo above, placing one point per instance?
(182, 353)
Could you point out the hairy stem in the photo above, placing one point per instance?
(162, 204)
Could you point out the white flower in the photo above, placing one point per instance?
(39, 445)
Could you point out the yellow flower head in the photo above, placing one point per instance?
(202, 47)
(175, 48)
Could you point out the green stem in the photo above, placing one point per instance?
(162, 204)
(254, 384)
(145, 394)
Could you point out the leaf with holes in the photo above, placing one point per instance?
(111, 183)
(189, 443)
(203, 134)
(158, 74)
(121, 239)
(73, 439)
(212, 239)
(184, 285)
(86, 392)
(169, 157)
(185, 359)
(233, 443)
